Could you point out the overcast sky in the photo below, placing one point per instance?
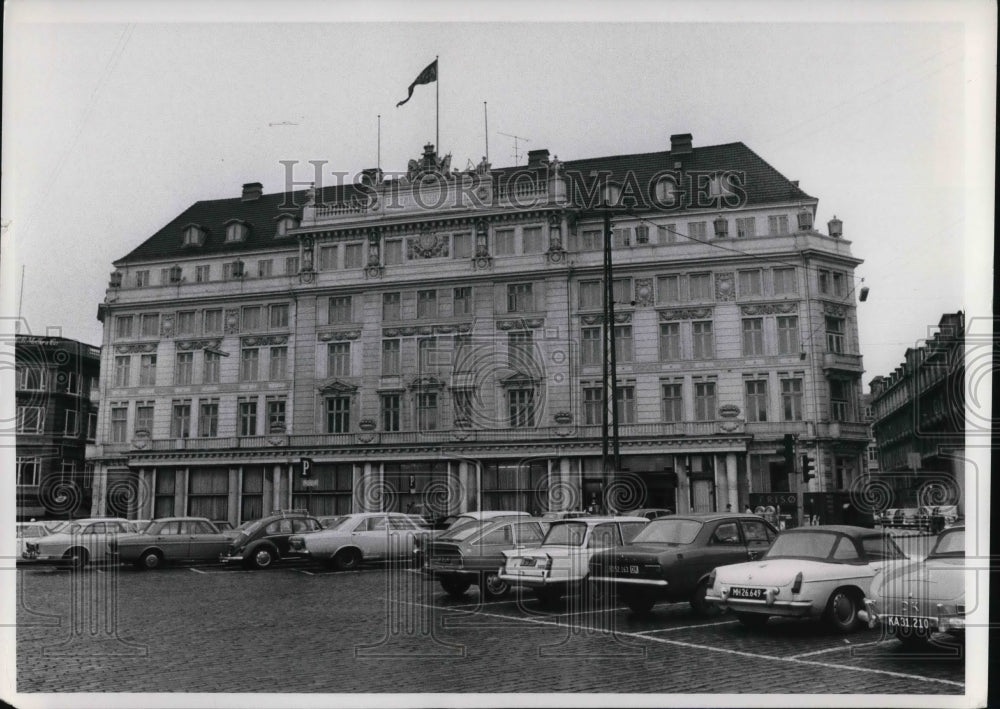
(112, 128)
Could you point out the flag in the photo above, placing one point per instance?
(427, 76)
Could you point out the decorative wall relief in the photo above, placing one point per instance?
(199, 344)
(644, 292)
(685, 314)
(232, 323)
(167, 325)
(725, 287)
(137, 347)
(338, 336)
(264, 340)
(427, 245)
(770, 308)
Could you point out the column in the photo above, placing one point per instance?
(233, 505)
(276, 490)
(147, 483)
(465, 486)
(683, 484)
(734, 491)
(98, 504)
(266, 491)
(180, 492)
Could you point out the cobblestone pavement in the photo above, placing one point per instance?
(391, 630)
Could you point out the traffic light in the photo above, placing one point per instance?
(808, 466)
(789, 448)
(307, 465)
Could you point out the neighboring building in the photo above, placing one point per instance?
(56, 417)
(919, 419)
(872, 466)
(436, 338)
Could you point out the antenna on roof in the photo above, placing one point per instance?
(517, 154)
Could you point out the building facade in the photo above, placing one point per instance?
(436, 339)
(918, 416)
(56, 393)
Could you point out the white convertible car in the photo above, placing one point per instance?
(809, 572)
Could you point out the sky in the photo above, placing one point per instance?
(115, 122)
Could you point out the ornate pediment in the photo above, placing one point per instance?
(338, 335)
(837, 311)
(685, 314)
(518, 379)
(334, 385)
(770, 308)
(263, 340)
(428, 382)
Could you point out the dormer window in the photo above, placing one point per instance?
(194, 235)
(236, 231)
(285, 224)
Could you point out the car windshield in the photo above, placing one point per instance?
(461, 532)
(70, 528)
(460, 522)
(338, 523)
(566, 534)
(802, 545)
(950, 544)
(668, 531)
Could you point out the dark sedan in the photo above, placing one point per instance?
(672, 557)
(261, 544)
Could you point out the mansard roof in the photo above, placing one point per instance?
(763, 184)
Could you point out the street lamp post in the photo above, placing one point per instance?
(611, 459)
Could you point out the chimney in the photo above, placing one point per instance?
(680, 144)
(252, 191)
(538, 158)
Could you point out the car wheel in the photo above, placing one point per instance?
(842, 611)
(263, 558)
(455, 588)
(150, 560)
(77, 557)
(640, 603)
(347, 560)
(752, 620)
(700, 605)
(493, 586)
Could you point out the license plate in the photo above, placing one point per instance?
(528, 562)
(742, 592)
(629, 569)
(907, 622)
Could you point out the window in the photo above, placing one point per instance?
(704, 401)
(696, 230)
(788, 334)
(185, 323)
(149, 324)
(141, 279)
(390, 412)
(750, 283)
(591, 240)
(520, 350)
(390, 358)
(673, 402)
(700, 286)
(69, 424)
(461, 246)
(666, 233)
(252, 318)
(777, 225)
(28, 470)
(279, 363)
(291, 265)
(701, 333)
(353, 256)
(208, 419)
(427, 411)
(520, 298)
(30, 378)
(623, 343)
(278, 316)
(265, 267)
(845, 551)
(285, 224)
(823, 277)
(180, 419)
(670, 341)
(462, 400)
(147, 370)
(232, 270)
(193, 236)
(276, 416)
(144, 416)
(838, 283)
(390, 307)
(839, 400)
(427, 353)
(503, 242)
(521, 408)
(621, 291)
(756, 400)
(393, 254)
(621, 237)
(249, 364)
(338, 359)
(746, 227)
(532, 240)
(339, 309)
(123, 326)
(122, 364)
(247, 417)
(726, 533)
(184, 369)
(203, 274)
(463, 300)
(591, 349)
(753, 337)
(593, 403)
(427, 304)
(668, 289)
(834, 335)
(119, 418)
(642, 235)
(92, 426)
(212, 365)
(327, 258)
(235, 231)
(784, 281)
(213, 322)
(590, 295)
(791, 399)
(625, 404)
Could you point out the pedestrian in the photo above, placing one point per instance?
(729, 508)
(748, 510)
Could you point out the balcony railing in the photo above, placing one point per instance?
(843, 362)
(852, 430)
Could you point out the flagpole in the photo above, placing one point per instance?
(486, 132)
(437, 105)
(379, 154)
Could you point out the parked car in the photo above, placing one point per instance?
(564, 514)
(365, 536)
(560, 564)
(809, 572)
(168, 540)
(76, 543)
(260, 544)
(137, 525)
(917, 599)
(331, 521)
(455, 521)
(472, 554)
(671, 559)
(235, 531)
(223, 525)
(26, 531)
(649, 512)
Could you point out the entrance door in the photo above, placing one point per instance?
(701, 496)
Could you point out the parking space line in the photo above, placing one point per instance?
(485, 603)
(592, 610)
(685, 627)
(307, 573)
(197, 571)
(831, 649)
(709, 648)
